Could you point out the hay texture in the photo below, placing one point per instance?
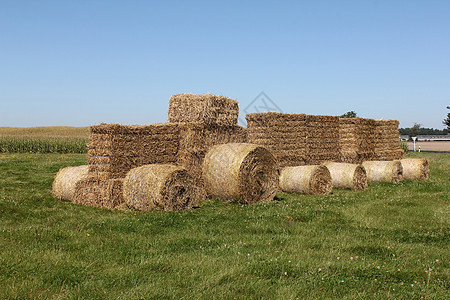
(160, 187)
(387, 143)
(347, 176)
(384, 171)
(208, 109)
(63, 187)
(415, 168)
(315, 180)
(322, 139)
(115, 149)
(356, 140)
(98, 192)
(241, 172)
(283, 134)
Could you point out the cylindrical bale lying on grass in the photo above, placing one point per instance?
(315, 180)
(347, 176)
(385, 171)
(241, 172)
(415, 168)
(63, 187)
(160, 187)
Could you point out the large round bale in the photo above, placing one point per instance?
(63, 187)
(347, 176)
(315, 180)
(241, 172)
(415, 168)
(160, 187)
(384, 171)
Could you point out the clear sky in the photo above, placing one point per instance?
(82, 62)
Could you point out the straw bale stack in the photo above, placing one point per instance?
(95, 191)
(314, 180)
(347, 176)
(115, 149)
(208, 109)
(283, 134)
(415, 168)
(241, 172)
(384, 171)
(357, 139)
(322, 139)
(160, 187)
(387, 143)
(63, 187)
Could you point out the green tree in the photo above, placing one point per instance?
(415, 129)
(446, 122)
(349, 114)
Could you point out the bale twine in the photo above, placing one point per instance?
(386, 171)
(347, 176)
(63, 187)
(241, 172)
(160, 187)
(415, 168)
(315, 180)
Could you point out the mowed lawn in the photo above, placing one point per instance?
(390, 241)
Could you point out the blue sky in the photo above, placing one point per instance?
(79, 63)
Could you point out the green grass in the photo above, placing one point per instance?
(390, 241)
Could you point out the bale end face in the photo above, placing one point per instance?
(240, 172)
(64, 184)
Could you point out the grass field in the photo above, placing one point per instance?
(390, 241)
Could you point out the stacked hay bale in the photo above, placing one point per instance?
(204, 121)
(387, 144)
(356, 140)
(322, 139)
(283, 134)
(116, 149)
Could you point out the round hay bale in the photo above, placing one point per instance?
(347, 176)
(314, 180)
(160, 187)
(63, 186)
(241, 172)
(384, 171)
(415, 168)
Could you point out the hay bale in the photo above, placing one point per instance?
(283, 134)
(160, 187)
(241, 172)
(315, 180)
(347, 176)
(63, 187)
(208, 109)
(96, 191)
(115, 149)
(415, 168)
(384, 171)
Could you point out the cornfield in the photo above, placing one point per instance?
(43, 145)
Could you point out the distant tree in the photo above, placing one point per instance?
(446, 122)
(349, 114)
(415, 129)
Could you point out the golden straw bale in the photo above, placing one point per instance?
(63, 187)
(96, 191)
(315, 180)
(385, 171)
(208, 109)
(347, 176)
(160, 187)
(241, 172)
(415, 168)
